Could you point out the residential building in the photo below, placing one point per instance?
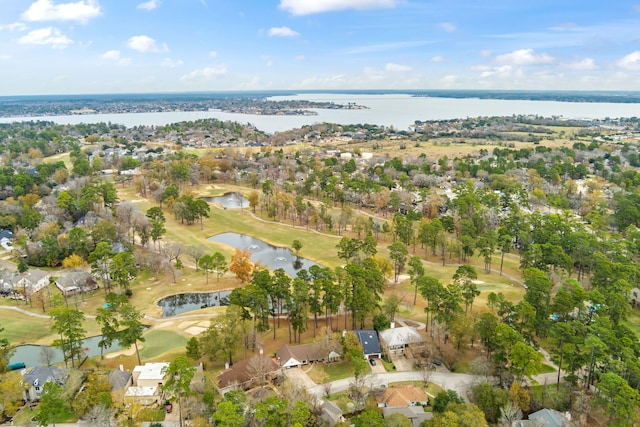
(243, 374)
(147, 383)
(397, 340)
(75, 282)
(304, 354)
(402, 396)
(370, 343)
(35, 378)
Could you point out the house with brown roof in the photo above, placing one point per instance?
(403, 396)
(244, 374)
(304, 354)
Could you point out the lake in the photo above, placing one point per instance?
(229, 200)
(273, 257)
(29, 354)
(182, 303)
(397, 110)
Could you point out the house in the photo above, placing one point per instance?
(370, 343)
(548, 418)
(403, 396)
(7, 280)
(35, 378)
(120, 378)
(396, 340)
(32, 281)
(331, 413)
(298, 355)
(6, 239)
(147, 383)
(416, 414)
(76, 282)
(243, 374)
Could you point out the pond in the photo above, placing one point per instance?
(272, 257)
(29, 354)
(181, 303)
(229, 200)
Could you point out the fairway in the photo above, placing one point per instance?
(158, 342)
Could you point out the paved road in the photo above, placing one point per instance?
(461, 383)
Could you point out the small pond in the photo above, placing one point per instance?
(182, 303)
(272, 257)
(29, 354)
(229, 200)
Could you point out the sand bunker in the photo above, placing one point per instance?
(164, 325)
(127, 352)
(195, 330)
(185, 325)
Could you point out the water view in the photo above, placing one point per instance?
(397, 110)
(182, 303)
(271, 256)
(30, 354)
(229, 200)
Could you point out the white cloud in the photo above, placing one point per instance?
(149, 5)
(630, 62)
(299, 58)
(113, 55)
(485, 52)
(213, 54)
(503, 72)
(145, 44)
(384, 47)
(46, 36)
(450, 79)
(116, 56)
(307, 7)
(524, 57)
(16, 26)
(45, 10)
(207, 73)
(396, 67)
(4, 57)
(171, 63)
(282, 32)
(437, 58)
(448, 27)
(584, 64)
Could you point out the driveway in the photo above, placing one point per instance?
(378, 368)
(299, 378)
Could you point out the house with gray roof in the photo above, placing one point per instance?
(370, 343)
(32, 281)
(120, 378)
(396, 340)
(35, 378)
(75, 282)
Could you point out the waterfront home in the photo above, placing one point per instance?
(35, 378)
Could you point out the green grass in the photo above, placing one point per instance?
(23, 329)
(151, 414)
(327, 373)
(158, 341)
(24, 416)
(546, 369)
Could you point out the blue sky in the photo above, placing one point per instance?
(124, 46)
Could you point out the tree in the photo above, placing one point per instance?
(224, 335)
(296, 245)
(464, 277)
(272, 412)
(67, 322)
(52, 404)
(180, 373)
(619, 400)
(241, 265)
(131, 320)
(107, 317)
(228, 414)
(444, 398)
(220, 265)
(193, 349)
(416, 270)
(398, 253)
(206, 264)
(123, 269)
(100, 260)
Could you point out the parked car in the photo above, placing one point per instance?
(373, 362)
(169, 408)
(437, 362)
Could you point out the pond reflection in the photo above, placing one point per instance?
(182, 303)
(229, 200)
(272, 257)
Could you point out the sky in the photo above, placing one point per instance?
(137, 46)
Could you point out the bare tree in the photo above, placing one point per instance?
(47, 355)
(171, 252)
(259, 369)
(196, 252)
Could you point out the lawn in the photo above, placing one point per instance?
(158, 341)
(322, 373)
